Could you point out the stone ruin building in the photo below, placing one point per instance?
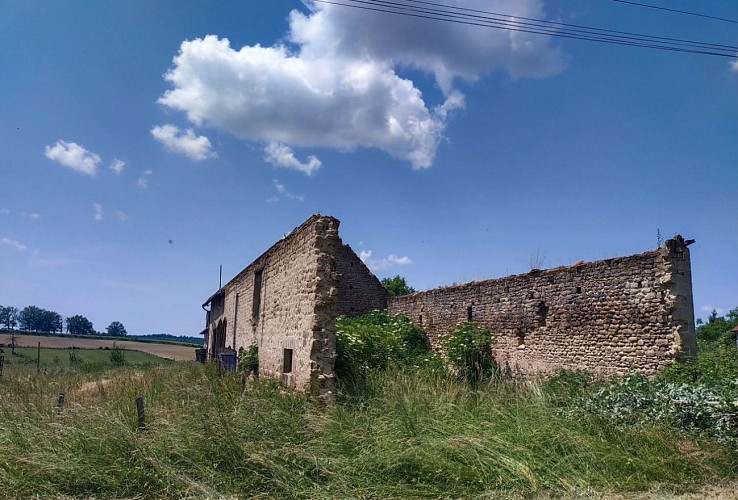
(286, 302)
(611, 316)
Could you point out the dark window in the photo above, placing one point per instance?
(287, 363)
(257, 294)
(579, 289)
(469, 313)
(542, 313)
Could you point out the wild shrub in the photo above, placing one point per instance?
(248, 359)
(379, 340)
(696, 408)
(469, 352)
(75, 359)
(117, 356)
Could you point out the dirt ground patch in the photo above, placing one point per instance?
(169, 351)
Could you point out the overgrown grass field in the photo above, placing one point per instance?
(405, 429)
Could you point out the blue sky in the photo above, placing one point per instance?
(146, 143)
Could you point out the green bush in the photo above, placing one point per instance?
(378, 340)
(117, 356)
(696, 408)
(248, 360)
(469, 352)
(75, 359)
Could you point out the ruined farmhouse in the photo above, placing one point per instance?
(286, 302)
(611, 316)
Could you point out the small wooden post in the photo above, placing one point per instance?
(59, 403)
(140, 411)
(38, 358)
(2, 362)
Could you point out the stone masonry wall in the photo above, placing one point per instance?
(292, 308)
(608, 317)
(359, 291)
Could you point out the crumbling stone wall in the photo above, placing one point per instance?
(608, 317)
(288, 299)
(359, 291)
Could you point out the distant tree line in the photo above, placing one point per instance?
(36, 319)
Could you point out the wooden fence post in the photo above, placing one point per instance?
(140, 412)
(59, 403)
(38, 358)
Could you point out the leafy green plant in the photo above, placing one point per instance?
(117, 356)
(469, 352)
(696, 408)
(248, 359)
(397, 286)
(379, 340)
(75, 359)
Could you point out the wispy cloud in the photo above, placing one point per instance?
(117, 166)
(98, 211)
(34, 216)
(385, 263)
(143, 181)
(122, 216)
(14, 244)
(4, 211)
(74, 156)
(195, 147)
(282, 191)
(734, 65)
(280, 155)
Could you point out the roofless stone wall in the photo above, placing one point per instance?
(608, 317)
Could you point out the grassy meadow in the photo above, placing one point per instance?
(420, 434)
(403, 425)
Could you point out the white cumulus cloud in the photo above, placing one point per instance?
(280, 155)
(338, 85)
(195, 147)
(385, 263)
(15, 245)
(117, 166)
(74, 156)
(734, 65)
(98, 211)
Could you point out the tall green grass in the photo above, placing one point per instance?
(402, 435)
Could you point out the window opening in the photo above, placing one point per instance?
(469, 313)
(287, 362)
(257, 294)
(521, 338)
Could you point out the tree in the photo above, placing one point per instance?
(397, 286)
(30, 318)
(116, 329)
(79, 325)
(36, 319)
(50, 321)
(8, 316)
